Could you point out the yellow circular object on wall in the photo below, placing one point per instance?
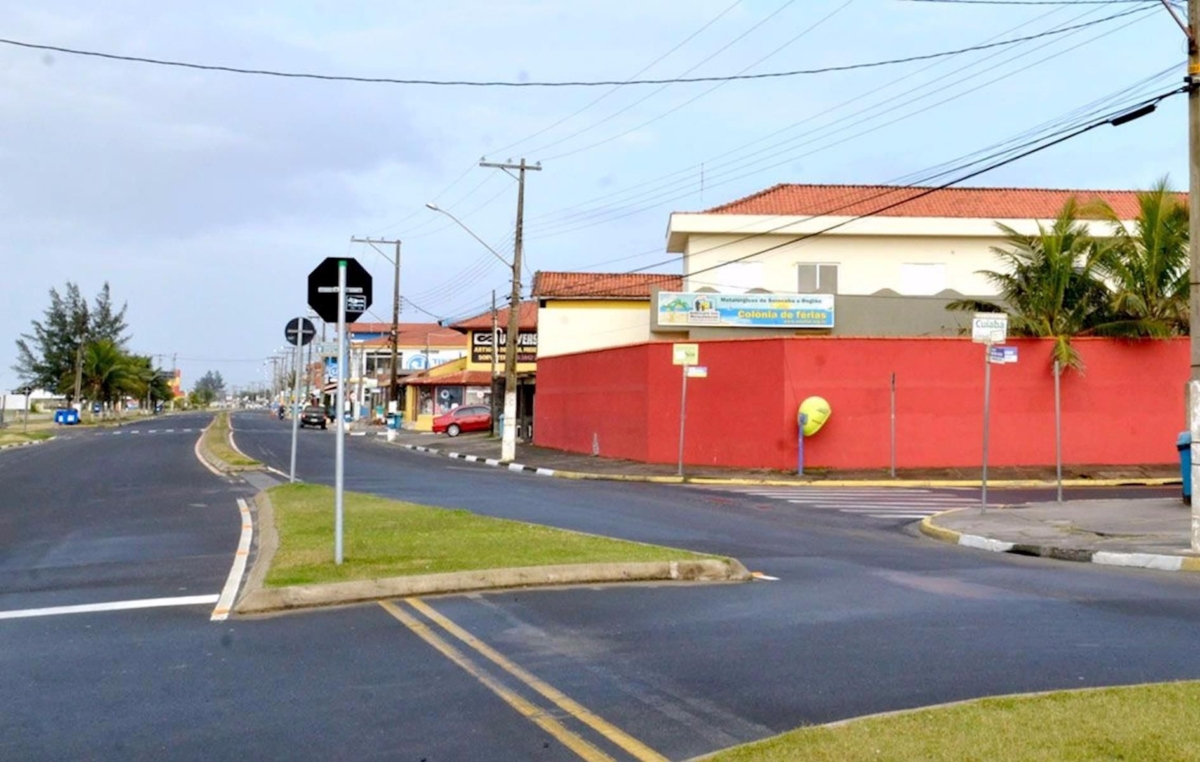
(816, 411)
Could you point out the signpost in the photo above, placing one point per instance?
(298, 332)
(687, 355)
(989, 329)
(339, 290)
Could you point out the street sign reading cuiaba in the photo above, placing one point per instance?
(323, 289)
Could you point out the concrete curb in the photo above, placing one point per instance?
(266, 600)
(30, 443)
(220, 465)
(258, 599)
(741, 482)
(1156, 561)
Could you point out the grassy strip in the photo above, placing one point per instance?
(1147, 723)
(17, 437)
(216, 440)
(389, 538)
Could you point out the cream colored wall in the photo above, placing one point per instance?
(866, 264)
(577, 326)
(869, 252)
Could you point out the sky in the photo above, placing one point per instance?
(205, 198)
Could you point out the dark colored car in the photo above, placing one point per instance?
(313, 415)
(470, 418)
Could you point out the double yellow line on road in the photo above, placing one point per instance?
(539, 716)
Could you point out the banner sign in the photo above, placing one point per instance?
(745, 310)
(481, 346)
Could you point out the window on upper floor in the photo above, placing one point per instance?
(817, 278)
(922, 278)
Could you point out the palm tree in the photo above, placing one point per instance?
(1148, 266)
(107, 371)
(1050, 284)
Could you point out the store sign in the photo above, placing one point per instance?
(481, 346)
(745, 310)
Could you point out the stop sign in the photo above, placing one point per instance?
(323, 289)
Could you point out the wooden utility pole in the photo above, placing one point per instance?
(394, 388)
(508, 442)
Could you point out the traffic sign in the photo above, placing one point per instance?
(1002, 355)
(299, 331)
(685, 354)
(697, 371)
(989, 327)
(323, 289)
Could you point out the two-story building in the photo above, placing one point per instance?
(851, 259)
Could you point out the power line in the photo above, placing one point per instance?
(1037, 2)
(656, 198)
(657, 186)
(563, 83)
(998, 160)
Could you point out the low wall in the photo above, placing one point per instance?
(1126, 407)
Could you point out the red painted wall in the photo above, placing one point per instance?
(1126, 408)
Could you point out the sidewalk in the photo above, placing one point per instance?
(580, 466)
(1152, 533)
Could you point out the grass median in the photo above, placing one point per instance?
(389, 538)
(19, 437)
(216, 440)
(1147, 723)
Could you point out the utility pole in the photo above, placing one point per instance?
(394, 390)
(508, 442)
(1191, 30)
(495, 359)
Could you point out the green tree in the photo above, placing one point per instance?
(1051, 286)
(1148, 266)
(107, 323)
(46, 357)
(108, 373)
(209, 388)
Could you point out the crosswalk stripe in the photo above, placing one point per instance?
(897, 503)
(898, 515)
(889, 509)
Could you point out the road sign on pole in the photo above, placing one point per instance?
(687, 355)
(339, 291)
(323, 289)
(299, 331)
(989, 327)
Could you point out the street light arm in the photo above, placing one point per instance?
(459, 222)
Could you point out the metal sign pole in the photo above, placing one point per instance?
(893, 407)
(801, 420)
(299, 349)
(682, 415)
(1058, 427)
(340, 452)
(987, 392)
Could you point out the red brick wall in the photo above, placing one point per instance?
(1126, 408)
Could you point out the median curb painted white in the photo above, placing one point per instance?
(1154, 561)
(266, 600)
(30, 443)
(229, 593)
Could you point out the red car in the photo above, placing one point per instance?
(473, 418)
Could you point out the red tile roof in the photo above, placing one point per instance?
(411, 335)
(560, 285)
(526, 318)
(980, 203)
(464, 377)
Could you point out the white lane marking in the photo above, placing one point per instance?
(87, 608)
(885, 508)
(135, 431)
(118, 433)
(152, 431)
(766, 577)
(229, 593)
(898, 515)
(186, 431)
(868, 501)
(170, 431)
(199, 457)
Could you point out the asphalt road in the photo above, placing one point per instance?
(865, 617)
